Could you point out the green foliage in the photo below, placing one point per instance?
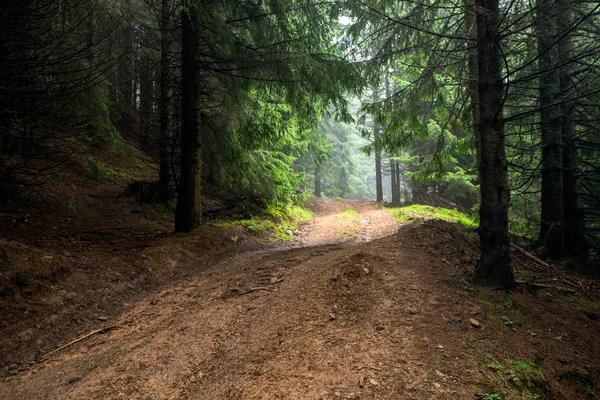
(492, 396)
(272, 82)
(100, 171)
(417, 211)
(278, 223)
(95, 107)
(519, 379)
(349, 214)
(97, 170)
(332, 152)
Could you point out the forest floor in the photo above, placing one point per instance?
(354, 307)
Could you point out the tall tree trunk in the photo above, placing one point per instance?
(473, 68)
(125, 73)
(397, 178)
(164, 172)
(317, 180)
(575, 242)
(146, 102)
(393, 180)
(378, 178)
(494, 267)
(400, 181)
(376, 140)
(188, 212)
(551, 231)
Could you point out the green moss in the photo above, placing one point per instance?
(278, 223)
(418, 211)
(97, 170)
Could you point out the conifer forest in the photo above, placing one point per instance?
(300, 199)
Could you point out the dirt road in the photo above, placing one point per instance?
(338, 313)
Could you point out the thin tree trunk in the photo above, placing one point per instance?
(397, 177)
(146, 102)
(473, 68)
(551, 231)
(378, 178)
(164, 173)
(575, 242)
(188, 212)
(494, 267)
(393, 180)
(125, 75)
(376, 140)
(317, 180)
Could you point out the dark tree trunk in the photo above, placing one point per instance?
(189, 205)
(164, 172)
(378, 180)
(393, 181)
(575, 243)
(125, 72)
(551, 230)
(146, 102)
(473, 67)
(396, 192)
(494, 267)
(318, 180)
(376, 142)
(398, 182)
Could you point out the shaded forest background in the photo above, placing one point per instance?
(467, 103)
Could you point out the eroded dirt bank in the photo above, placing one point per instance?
(332, 315)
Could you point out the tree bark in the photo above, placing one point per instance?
(473, 68)
(393, 180)
(164, 173)
(189, 205)
(551, 230)
(318, 180)
(376, 140)
(378, 178)
(575, 243)
(494, 267)
(398, 177)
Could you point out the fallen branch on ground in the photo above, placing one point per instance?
(79, 339)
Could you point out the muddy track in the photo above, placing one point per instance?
(157, 348)
(345, 311)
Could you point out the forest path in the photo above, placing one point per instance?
(339, 221)
(336, 316)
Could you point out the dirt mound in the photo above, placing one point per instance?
(354, 281)
(50, 297)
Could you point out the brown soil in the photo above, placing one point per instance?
(349, 309)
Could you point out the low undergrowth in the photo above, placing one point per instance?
(419, 212)
(512, 379)
(350, 213)
(277, 223)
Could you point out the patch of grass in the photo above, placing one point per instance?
(514, 379)
(71, 206)
(491, 396)
(349, 214)
(280, 223)
(418, 211)
(506, 321)
(100, 171)
(97, 170)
